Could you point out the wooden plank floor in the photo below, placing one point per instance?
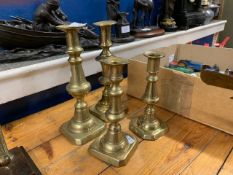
(189, 148)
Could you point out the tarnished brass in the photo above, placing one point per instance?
(102, 106)
(148, 126)
(5, 156)
(15, 161)
(83, 127)
(114, 147)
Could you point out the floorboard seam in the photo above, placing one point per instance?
(220, 169)
(201, 150)
(44, 142)
(108, 166)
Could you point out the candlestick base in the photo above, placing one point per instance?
(94, 127)
(99, 113)
(116, 158)
(148, 131)
(21, 164)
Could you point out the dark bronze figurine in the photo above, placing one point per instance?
(188, 14)
(166, 21)
(48, 15)
(146, 7)
(113, 9)
(122, 27)
(142, 16)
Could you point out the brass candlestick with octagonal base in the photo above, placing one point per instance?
(83, 127)
(114, 147)
(148, 126)
(102, 106)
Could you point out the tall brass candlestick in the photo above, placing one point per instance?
(83, 127)
(148, 126)
(102, 106)
(114, 147)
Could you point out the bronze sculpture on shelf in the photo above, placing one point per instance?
(114, 147)
(83, 127)
(141, 25)
(48, 15)
(102, 106)
(188, 13)
(122, 27)
(16, 161)
(148, 126)
(166, 20)
(20, 36)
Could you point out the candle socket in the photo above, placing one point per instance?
(102, 106)
(147, 126)
(83, 127)
(114, 147)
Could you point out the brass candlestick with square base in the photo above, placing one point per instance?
(114, 147)
(148, 126)
(83, 127)
(15, 161)
(102, 106)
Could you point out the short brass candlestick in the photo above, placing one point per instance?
(148, 126)
(83, 127)
(114, 147)
(102, 106)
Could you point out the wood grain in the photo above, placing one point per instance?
(43, 126)
(171, 153)
(188, 148)
(211, 159)
(228, 165)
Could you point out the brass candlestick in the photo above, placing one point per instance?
(114, 147)
(148, 126)
(102, 106)
(16, 160)
(83, 127)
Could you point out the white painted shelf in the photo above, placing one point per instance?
(24, 81)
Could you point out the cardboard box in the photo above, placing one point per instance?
(186, 94)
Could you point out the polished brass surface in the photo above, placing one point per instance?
(148, 126)
(114, 147)
(83, 127)
(5, 156)
(102, 106)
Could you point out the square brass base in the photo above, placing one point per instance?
(84, 137)
(148, 134)
(116, 159)
(21, 164)
(98, 114)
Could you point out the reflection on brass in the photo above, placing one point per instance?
(102, 106)
(148, 126)
(5, 156)
(83, 127)
(114, 147)
(15, 161)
